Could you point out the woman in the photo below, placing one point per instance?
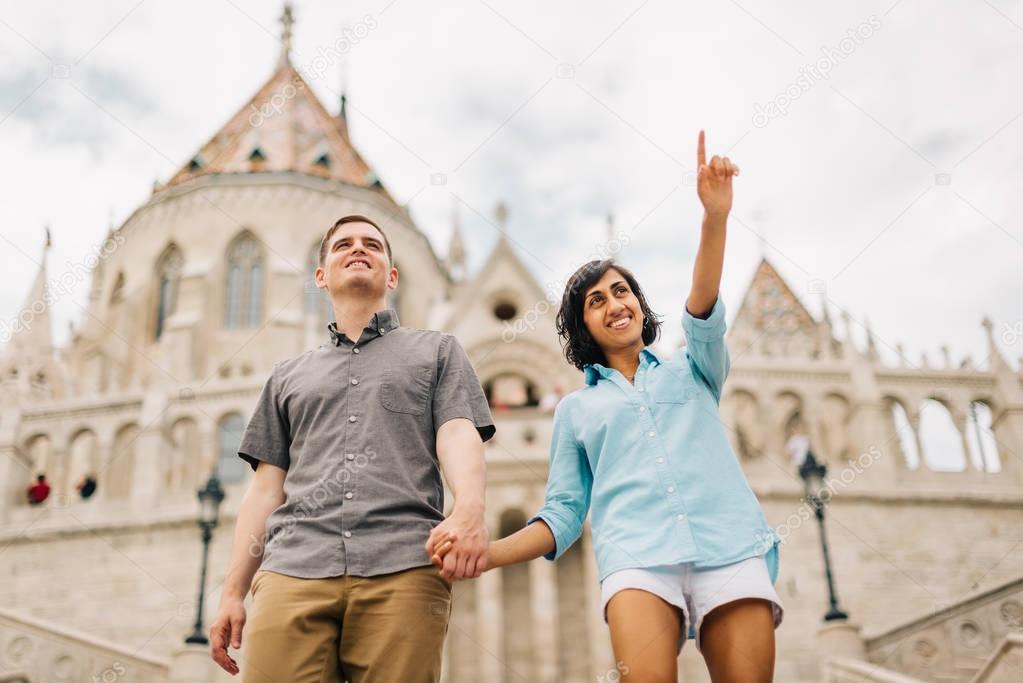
(682, 544)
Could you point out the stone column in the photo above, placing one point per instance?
(489, 620)
(544, 612)
(839, 639)
(192, 664)
(149, 450)
(15, 467)
(601, 654)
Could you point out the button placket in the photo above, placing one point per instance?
(668, 483)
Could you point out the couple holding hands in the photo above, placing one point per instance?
(348, 442)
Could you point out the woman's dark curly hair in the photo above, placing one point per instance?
(579, 346)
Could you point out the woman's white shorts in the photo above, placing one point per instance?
(697, 591)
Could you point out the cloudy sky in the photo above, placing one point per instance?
(879, 141)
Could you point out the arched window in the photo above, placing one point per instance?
(168, 269)
(183, 469)
(980, 437)
(742, 410)
(316, 301)
(906, 435)
(230, 467)
(509, 390)
(940, 440)
(41, 456)
(83, 459)
(244, 290)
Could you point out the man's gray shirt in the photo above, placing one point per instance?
(355, 425)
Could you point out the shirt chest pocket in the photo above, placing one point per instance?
(673, 385)
(406, 388)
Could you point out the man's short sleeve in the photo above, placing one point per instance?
(267, 437)
(458, 392)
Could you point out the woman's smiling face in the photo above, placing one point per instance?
(612, 312)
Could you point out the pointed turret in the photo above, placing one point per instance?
(772, 320)
(283, 128)
(31, 333)
(501, 216)
(872, 352)
(456, 249)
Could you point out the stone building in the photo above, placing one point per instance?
(209, 283)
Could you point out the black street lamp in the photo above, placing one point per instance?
(210, 497)
(812, 473)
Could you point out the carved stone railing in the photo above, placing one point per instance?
(845, 670)
(956, 642)
(1006, 663)
(33, 651)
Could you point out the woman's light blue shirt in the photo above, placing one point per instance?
(652, 464)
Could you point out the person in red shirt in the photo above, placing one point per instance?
(39, 491)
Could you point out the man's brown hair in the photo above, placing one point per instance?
(352, 218)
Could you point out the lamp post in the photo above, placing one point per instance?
(812, 473)
(210, 497)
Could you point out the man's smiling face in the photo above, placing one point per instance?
(357, 260)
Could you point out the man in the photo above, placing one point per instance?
(348, 442)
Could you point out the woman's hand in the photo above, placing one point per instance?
(714, 181)
(443, 542)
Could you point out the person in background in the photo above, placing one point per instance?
(86, 486)
(39, 491)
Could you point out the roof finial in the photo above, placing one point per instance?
(501, 214)
(343, 111)
(456, 250)
(49, 241)
(288, 23)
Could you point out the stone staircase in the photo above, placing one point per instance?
(33, 651)
(976, 640)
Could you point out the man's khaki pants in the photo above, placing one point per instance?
(379, 629)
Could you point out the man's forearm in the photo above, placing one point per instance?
(460, 452)
(249, 531)
(710, 258)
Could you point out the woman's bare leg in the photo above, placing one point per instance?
(644, 636)
(737, 641)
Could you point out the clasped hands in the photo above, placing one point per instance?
(460, 546)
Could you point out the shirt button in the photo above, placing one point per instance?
(671, 489)
(651, 434)
(352, 418)
(660, 460)
(355, 381)
(350, 456)
(355, 350)
(679, 517)
(642, 408)
(349, 494)
(348, 534)
(640, 389)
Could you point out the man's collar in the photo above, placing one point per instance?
(594, 371)
(382, 321)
